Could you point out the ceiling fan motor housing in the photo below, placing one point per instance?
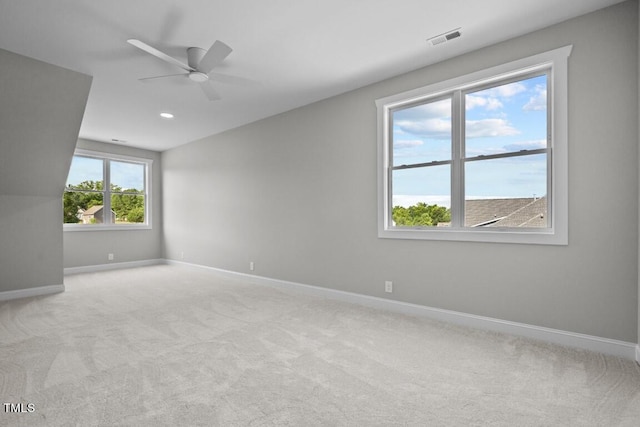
(194, 56)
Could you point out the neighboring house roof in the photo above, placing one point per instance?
(93, 210)
(516, 212)
(533, 214)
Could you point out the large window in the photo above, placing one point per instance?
(481, 157)
(105, 191)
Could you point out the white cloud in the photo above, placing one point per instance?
(441, 129)
(538, 102)
(526, 145)
(399, 144)
(431, 128)
(472, 151)
(489, 128)
(504, 91)
(436, 109)
(472, 101)
(439, 109)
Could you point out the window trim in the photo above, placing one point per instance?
(148, 163)
(557, 234)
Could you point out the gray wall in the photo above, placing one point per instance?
(41, 108)
(85, 248)
(296, 194)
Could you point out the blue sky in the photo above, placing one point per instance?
(505, 118)
(123, 174)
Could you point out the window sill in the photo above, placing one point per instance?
(82, 228)
(531, 236)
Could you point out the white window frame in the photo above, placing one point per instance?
(556, 61)
(106, 157)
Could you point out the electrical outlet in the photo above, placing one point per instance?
(251, 266)
(388, 286)
(110, 257)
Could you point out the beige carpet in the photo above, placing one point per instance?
(172, 345)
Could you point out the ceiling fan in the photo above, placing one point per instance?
(200, 64)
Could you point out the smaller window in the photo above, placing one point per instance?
(107, 191)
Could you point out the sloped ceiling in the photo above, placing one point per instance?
(290, 52)
(41, 110)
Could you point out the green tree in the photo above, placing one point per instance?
(80, 199)
(420, 214)
(71, 202)
(128, 204)
(136, 214)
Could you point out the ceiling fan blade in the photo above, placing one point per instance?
(209, 91)
(160, 55)
(146, 79)
(215, 55)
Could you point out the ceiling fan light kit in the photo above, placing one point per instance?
(198, 77)
(200, 63)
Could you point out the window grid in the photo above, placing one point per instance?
(108, 192)
(459, 159)
(541, 155)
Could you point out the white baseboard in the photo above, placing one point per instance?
(111, 266)
(556, 336)
(31, 292)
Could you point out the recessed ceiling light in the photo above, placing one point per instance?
(166, 115)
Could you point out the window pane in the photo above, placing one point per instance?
(85, 173)
(422, 133)
(127, 177)
(128, 208)
(506, 118)
(84, 208)
(506, 192)
(417, 188)
(106, 191)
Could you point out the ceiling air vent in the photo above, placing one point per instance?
(445, 37)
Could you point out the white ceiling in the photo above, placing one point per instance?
(292, 52)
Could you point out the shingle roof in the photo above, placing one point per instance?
(515, 212)
(92, 210)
